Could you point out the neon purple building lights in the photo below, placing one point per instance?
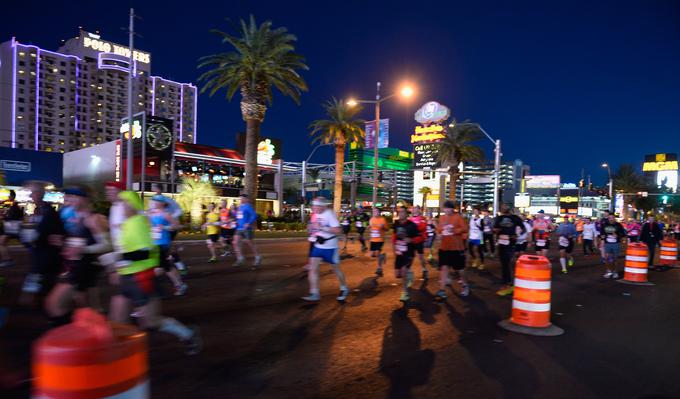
(14, 93)
(37, 97)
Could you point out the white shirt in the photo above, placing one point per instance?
(325, 220)
(475, 232)
(589, 231)
(522, 237)
(116, 219)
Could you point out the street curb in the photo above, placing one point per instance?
(282, 239)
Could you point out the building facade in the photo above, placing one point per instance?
(395, 166)
(75, 97)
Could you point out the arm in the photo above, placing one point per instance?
(99, 227)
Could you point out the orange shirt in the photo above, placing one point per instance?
(377, 228)
(453, 230)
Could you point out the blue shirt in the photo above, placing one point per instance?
(566, 230)
(245, 214)
(159, 232)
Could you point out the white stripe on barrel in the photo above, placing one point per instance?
(636, 258)
(532, 285)
(531, 307)
(667, 257)
(636, 270)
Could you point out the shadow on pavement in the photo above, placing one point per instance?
(403, 361)
(368, 288)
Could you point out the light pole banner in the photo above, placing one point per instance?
(384, 139)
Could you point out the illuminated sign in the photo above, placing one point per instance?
(432, 112)
(136, 129)
(265, 152)
(429, 129)
(568, 199)
(103, 46)
(118, 157)
(16, 166)
(383, 138)
(427, 137)
(522, 200)
(668, 179)
(542, 181)
(425, 156)
(659, 166)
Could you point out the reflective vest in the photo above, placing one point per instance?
(135, 235)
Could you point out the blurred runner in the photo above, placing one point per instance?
(162, 223)
(246, 218)
(506, 227)
(652, 234)
(212, 229)
(176, 212)
(405, 232)
(228, 226)
(431, 237)
(589, 234)
(378, 227)
(633, 231)
(523, 236)
(488, 238)
(566, 233)
(346, 224)
(611, 234)
(12, 217)
(419, 242)
(453, 231)
(541, 233)
(476, 240)
(360, 222)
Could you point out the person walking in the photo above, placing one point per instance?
(611, 234)
(405, 232)
(162, 223)
(12, 217)
(453, 231)
(212, 229)
(651, 234)
(488, 237)
(633, 231)
(227, 226)
(476, 238)
(589, 234)
(506, 227)
(566, 237)
(419, 242)
(324, 230)
(360, 221)
(523, 236)
(246, 219)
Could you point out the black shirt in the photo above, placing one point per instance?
(651, 233)
(402, 231)
(507, 224)
(610, 231)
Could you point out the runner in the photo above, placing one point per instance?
(212, 229)
(589, 234)
(12, 216)
(419, 241)
(42, 234)
(162, 223)
(324, 230)
(676, 232)
(579, 230)
(453, 231)
(138, 282)
(488, 238)
(506, 227)
(405, 232)
(245, 228)
(227, 226)
(378, 227)
(86, 237)
(523, 236)
(176, 212)
(600, 227)
(633, 231)
(346, 224)
(566, 233)
(431, 236)
(476, 239)
(541, 233)
(652, 234)
(611, 235)
(360, 220)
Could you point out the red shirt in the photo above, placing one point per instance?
(421, 222)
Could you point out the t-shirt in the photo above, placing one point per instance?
(245, 215)
(159, 227)
(211, 218)
(567, 230)
(421, 223)
(506, 226)
(402, 231)
(612, 232)
(360, 221)
(589, 231)
(633, 229)
(116, 219)
(452, 229)
(378, 227)
(488, 223)
(541, 229)
(227, 218)
(522, 236)
(476, 228)
(324, 220)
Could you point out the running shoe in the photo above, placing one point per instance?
(181, 289)
(409, 279)
(404, 297)
(505, 291)
(571, 262)
(312, 298)
(481, 266)
(379, 272)
(258, 260)
(473, 264)
(426, 274)
(182, 268)
(212, 260)
(608, 275)
(240, 262)
(615, 275)
(441, 294)
(465, 291)
(225, 253)
(193, 345)
(344, 293)
(564, 271)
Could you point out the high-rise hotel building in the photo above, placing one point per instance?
(76, 96)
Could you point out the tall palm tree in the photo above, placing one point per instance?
(260, 59)
(456, 147)
(626, 179)
(340, 128)
(425, 191)
(191, 198)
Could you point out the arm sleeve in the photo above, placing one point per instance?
(102, 244)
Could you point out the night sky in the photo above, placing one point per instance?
(564, 84)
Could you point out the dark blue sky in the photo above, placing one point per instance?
(564, 84)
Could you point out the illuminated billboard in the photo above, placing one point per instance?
(542, 181)
(660, 162)
(426, 156)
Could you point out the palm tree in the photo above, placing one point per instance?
(457, 147)
(425, 191)
(341, 127)
(191, 197)
(626, 179)
(260, 59)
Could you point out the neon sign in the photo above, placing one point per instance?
(118, 160)
(108, 47)
(136, 129)
(659, 166)
(265, 152)
(432, 112)
(426, 137)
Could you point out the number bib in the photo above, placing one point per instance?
(564, 241)
(540, 243)
(375, 234)
(447, 230)
(611, 238)
(359, 224)
(503, 239)
(400, 247)
(156, 233)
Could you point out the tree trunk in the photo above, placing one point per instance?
(252, 138)
(453, 182)
(424, 201)
(339, 168)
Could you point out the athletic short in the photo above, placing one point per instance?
(376, 245)
(569, 248)
(80, 274)
(246, 234)
(677, 236)
(227, 233)
(328, 255)
(521, 247)
(405, 260)
(164, 251)
(213, 237)
(429, 242)
(345, 230)
(612, 248)
(546, 246)
(475, 242)
(419, 247)
(140, 287)
(453, 259)
(361, 230)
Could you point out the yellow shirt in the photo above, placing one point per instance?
(210, 218)
(377, 228)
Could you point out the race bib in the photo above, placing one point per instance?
(504, 239)
(448, 230)
(487, 229)
(12, 226)
(540, 243)
(401, 247)
(156, 234)
(345, 223)
(239, 215)
(359, 224)
(611, 238)
(564, 241)
(375, 234)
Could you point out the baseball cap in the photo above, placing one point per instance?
(132, 199)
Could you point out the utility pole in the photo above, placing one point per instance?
(130, 151)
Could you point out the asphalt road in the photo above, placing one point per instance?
(262, 341)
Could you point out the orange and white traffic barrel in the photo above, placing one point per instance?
(669, 253)
(91, 358)
(635, 269)
(531, 298)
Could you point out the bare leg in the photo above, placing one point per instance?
(313, 275)
(237, 246)
(119, 310)
(443, 277)
(174, 276)
(58, 300)
(339, 274)
(252, 246)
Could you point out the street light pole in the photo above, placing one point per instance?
(611, 186)
(376, 136)
(130, 152)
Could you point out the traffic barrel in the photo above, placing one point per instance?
(91, 358)
(669, 253)
(635, 270)
(531, 298)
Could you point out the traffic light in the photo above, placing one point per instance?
(664, 199)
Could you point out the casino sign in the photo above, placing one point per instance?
(427, 136)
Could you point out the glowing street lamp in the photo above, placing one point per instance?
(406, 91)
(611, 186)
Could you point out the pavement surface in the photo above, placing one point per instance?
(262, 341)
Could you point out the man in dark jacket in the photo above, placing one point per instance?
(651, 235)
